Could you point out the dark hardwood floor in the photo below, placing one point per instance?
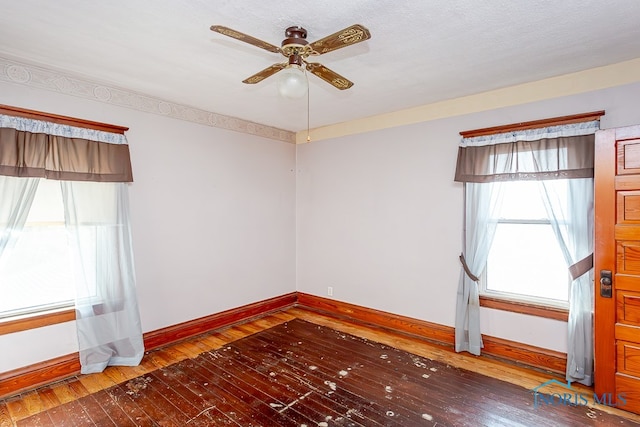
(299, 368)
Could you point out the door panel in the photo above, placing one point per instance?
(628, 252)
(617, 249)
(628, 283)
(628, 307)
(629, 207)
(628, 358)
(629, 157)
(629, 387)
(623, 332)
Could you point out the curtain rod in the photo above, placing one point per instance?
(563, 120)
(64, 120)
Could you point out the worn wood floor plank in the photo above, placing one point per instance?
(335, 377)
(407, 390)
(301, 379)
(248, 401)
(96, 413)
(5, 418)
(204, 345)
(110, 407)
(259, 378)
(160, 358)
(40, 420)
(246, 382)
(50, 402)
(48, 398)
(32, 403)
(63, 392)
(16, 408)
(205, 403)
(189, 414)
(137, 414)
(159, 409)
(96, 382)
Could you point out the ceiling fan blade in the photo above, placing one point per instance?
(328, 75)
(350, 35)
(267, 72)
(245, 38)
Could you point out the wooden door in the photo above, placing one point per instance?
(617, 250)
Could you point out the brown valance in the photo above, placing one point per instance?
(548, 158)
(27, 154)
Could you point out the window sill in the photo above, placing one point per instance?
(24, 323)
(525, 308)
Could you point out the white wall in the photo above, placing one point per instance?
(379, 217)
(213, 219)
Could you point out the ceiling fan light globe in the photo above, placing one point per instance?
(293, 82)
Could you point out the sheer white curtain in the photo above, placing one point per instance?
(16, 194)
(480, 226)
(573, 228)
(108, 323)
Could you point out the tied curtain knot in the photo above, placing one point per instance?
(468, 272)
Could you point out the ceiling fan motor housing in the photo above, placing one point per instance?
(295, 44)
(296, 32)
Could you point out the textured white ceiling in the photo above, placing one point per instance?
(420, 51)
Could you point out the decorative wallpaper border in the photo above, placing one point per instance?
(42, 78)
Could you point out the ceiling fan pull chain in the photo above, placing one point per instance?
(308, 107)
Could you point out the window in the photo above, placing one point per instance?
(36, 271)
(73, 230)
(525, 261)
(508, 247)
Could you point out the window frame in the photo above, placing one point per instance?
(521, 307)
(515, 297)
(38, 319)
(533, 306)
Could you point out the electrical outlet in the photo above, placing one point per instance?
(330, 291)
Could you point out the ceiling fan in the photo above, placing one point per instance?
(297, 49)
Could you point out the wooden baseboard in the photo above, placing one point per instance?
(32, 376)
(434, 332)
(29, 377)
(514, 352)
(181, 331)
(524, 354)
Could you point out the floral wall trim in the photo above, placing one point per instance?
(42, 78)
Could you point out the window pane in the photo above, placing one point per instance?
(522, 201)
(36, 273)
(526, 259)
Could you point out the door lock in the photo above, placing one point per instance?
(606, 283)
